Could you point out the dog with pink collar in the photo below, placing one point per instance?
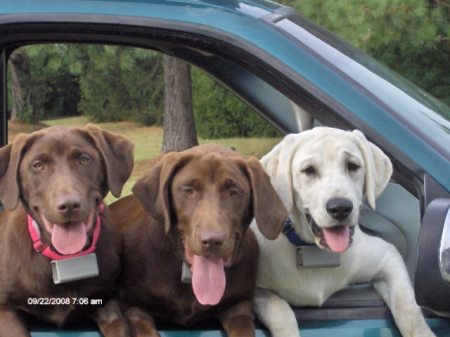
(57, 243)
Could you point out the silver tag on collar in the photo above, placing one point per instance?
(186, 273)
(314, 257)
(73, 269)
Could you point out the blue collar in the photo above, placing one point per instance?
(292, 236)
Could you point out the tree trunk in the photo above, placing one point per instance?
(20, 74)
(178, 119)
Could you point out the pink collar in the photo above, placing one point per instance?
(46, 250)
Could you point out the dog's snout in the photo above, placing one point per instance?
(212, 239)
(69, 204)
(339, 208)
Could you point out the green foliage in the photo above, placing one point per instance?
(220, 114)
(120, 83)
(412, 37)
(51, 89)
(107, 83)
(55, 90)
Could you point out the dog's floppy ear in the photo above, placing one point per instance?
(268, 209)
(117, 153)
(378, 168)
(153, 189)
(278, 164)
(10, 157)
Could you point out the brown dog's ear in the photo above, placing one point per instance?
(117, 153)
(10, 157)
(153, 189)
(268, 209)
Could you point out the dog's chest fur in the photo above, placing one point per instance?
(310, 286)
(26, 276)
(154, 268)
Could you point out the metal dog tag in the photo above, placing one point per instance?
(186, 274)
(313, 256)
(73, 269)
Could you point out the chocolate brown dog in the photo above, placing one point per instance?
(52, 183)
(191, 211)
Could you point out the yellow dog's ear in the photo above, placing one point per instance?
(278, 165)
(378, 167)
(10, 157)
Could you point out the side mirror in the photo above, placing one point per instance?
(444, 249)
(432, 278)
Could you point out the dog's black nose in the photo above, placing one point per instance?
(339, 208)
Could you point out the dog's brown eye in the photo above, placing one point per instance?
(233, 192)
(352, 167)
(309, 171)
(38, 165)
(188, 190)
(230, 186)
(84, 159)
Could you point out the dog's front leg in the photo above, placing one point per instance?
(238, 320)
(111, 321)
(142, 324)
(394, 286)
(275, 313)
(11, 324)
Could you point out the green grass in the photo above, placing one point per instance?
(148, 141)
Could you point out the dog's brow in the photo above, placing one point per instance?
(191, 182)
(310, 160)
(43, 156)
(76, 150)
(349, 154)
(307, 160)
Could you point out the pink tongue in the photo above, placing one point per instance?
(337, 238)
(208, 279)
(69, 239)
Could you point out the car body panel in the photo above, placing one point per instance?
(335, 328)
